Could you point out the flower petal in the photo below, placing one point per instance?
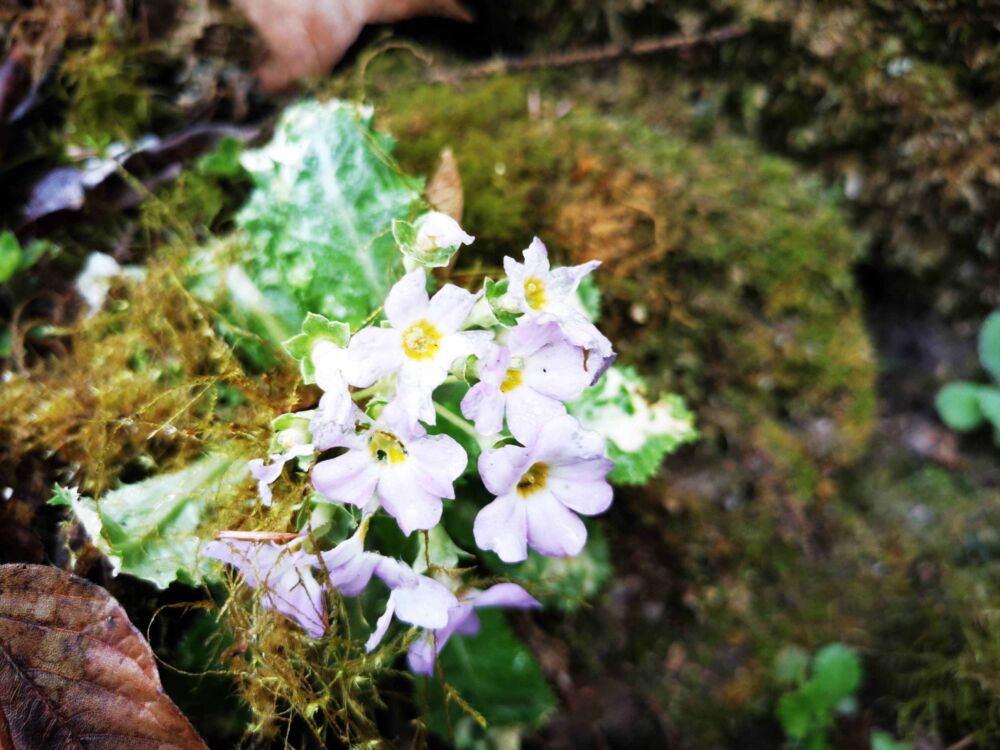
(381, 626)
(415, 386)
(329, 361)
(372, 354)
(502, 527)
(450, 307)
(504, 595)
(582, 486)
(438, 461)
(350, 478)
(426, 604)
(501, 468)
(528, 411)
(411, 506)
(407, 300)
(564, 440)
(420, 657)
(552, 528)
(536, 258)
(334, 425)
(531, 334)
(564, 281)
(557, 371)
(484, 404)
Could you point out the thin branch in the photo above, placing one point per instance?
(596, 54)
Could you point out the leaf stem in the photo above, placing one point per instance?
(464, 426)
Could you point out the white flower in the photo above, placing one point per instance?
(421, 343)
(436, 231)
(94, 282)
(396, 465)
(547, 294)
(528, 379)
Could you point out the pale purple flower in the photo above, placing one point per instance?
(550, 294)
(421, 343)
(561, 471)
(397, 465)
(415, 599)
(283, 573)
(334, 423)
(528, 379)
(266, 474)
(462, 619)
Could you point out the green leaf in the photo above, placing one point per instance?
(885, 741)
(494, 292)
(989, 344)
(150, 529)
(796, 714)
(315, 328)
(791, 666)
(562, 582)
(958, 406)
(320, 218)
(10, 255)
(989, 404)
(224, 159)
(590, 297)
(836, 672)
(640, 433)
(439, 549)
(495, 674)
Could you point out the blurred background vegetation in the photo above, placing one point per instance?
(799, 226)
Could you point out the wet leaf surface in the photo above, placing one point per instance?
(75, 673)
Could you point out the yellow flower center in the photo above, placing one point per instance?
(384, 446)
(534, 292)
(421, 340)
(533, 479)
(511, 380)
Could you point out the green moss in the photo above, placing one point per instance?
(896, 102)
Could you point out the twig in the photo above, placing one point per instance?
(596, 54)
(258, 536)
(962, 743)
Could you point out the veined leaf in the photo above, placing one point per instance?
(640, 433)
(320, 219)
(75, 673)
(149, 529)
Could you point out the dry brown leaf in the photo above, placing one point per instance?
(306, 37)
(75, 673)
(444, 191)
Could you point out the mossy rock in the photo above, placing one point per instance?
(727, 273)
(896, 102)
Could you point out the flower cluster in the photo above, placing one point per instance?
(525, 347)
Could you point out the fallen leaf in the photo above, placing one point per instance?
(305, 37)
(75, 673)
(444, 191)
